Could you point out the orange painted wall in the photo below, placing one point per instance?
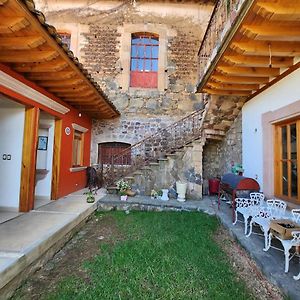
(68, 181)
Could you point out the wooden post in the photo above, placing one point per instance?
(29, 159)
(56, 159)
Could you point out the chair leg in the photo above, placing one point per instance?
(250, 228)
(236, 218)
(297, 277)
(246, 224)
(287, 248)
(266, 235)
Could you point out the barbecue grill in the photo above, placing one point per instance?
(231, 183)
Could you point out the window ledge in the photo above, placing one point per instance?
(77, 169)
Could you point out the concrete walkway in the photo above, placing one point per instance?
(29, 240)
(271, 262)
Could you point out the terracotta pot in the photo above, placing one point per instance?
(130, 193)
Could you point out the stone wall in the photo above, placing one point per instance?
(102, 32)
(218, 156)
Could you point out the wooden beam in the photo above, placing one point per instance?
(68, 89)
(279, 10)
(259, 61)
(26, 56)
(220, 92)
(2, 2)
(248, 71)
(67, 82)
(240, 79)
(273, 31)
(233, 86)
(84, 103)
(12, 24)
(81, 99)
(264, 48)
(76, 94)
(52, 75)
(55, 65)
(21, 43)
(29, 159)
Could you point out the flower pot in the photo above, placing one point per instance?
(123, 197)
(130, 193)
(181, 190)
(90, 199)
(164, 196)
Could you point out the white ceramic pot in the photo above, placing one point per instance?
(181, 190)
(164, 196)
(124, 197)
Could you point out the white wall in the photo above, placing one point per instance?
(44, 160)
(11, 142)
(279, 95)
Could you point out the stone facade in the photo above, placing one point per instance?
(100, 35)
(218, 156)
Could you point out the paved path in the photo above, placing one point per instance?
(29, 236)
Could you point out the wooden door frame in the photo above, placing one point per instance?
(29, 155)
(56, 159)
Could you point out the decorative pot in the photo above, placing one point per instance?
(90, 199)
(164, 196)
(130, 193)
(181, 190)
(123, 197)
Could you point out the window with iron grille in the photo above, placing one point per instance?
(66, 38)
(107, 150)
(144, 60)
(77, 152)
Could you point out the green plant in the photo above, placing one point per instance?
(90, 198)
(153, 193)
(122, 193)
(159, 193)
(123, 185)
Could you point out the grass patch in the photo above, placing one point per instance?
(163, 256)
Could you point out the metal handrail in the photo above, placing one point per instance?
(151, 148)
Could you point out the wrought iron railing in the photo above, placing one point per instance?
(223, 16)
(150, 149)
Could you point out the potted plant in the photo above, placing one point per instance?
(90, 198)
(159, 194)
(125, 187)
(153, 194)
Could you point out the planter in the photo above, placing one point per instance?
(181, 190)
(90, 199)
(283, 228)
(164, 196)
(130, 193)
(123, 197)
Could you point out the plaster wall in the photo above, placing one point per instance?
(257, 140)
(11, 143)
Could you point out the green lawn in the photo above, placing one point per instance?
(162, 256)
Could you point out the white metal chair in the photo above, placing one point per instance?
(288, 244)
(243, 206)
(275, 209)
(258, 198)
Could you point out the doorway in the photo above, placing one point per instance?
(44, 160)
(12, 116)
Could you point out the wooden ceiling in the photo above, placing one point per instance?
(263, 50)
(30, 46)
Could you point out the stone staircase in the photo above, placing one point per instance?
(172, 154)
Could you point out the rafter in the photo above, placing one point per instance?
(259, 61)
(84, 99)
(21, 43)
(60, 89)
(12, 24)
(264, 48)
(51, 75)
(68, 82)
(249, 71)
(224, 92)
(273, 31)
(76, 94)
(53, 66)
(240, 79)
(233, 86)
(26, 56)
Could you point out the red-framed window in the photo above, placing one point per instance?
(107, 150)
(144, 60)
